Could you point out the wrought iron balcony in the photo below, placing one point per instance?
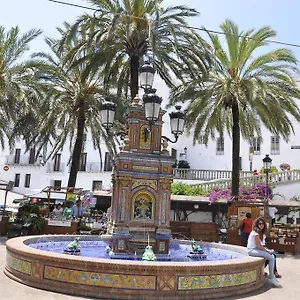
(53, 168)
(22, 160)
(91, 167)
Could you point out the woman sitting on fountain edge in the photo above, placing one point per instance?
(255, 247)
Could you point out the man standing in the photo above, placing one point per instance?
(246, 228)
(77, 210)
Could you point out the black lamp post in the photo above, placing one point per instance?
(152, 104)
(146, 76)
(267, 161)
(107, 114)
(177, 124)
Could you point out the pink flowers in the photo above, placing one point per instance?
(254, 193)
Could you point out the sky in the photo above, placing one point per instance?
(281, 16)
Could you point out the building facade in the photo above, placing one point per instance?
(31, 176)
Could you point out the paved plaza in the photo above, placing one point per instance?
(288, 266)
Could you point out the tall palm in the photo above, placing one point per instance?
(243, 90)
(122, 32)
(72, 104)
(16, 78)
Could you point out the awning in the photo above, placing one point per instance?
(44, 195)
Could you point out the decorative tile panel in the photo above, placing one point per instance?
(123, 204)
(163, 207)
(100, 279)
(162, 247)
(121, 244)
(145, 168)
(215, 281)
(144, 182)
(19, 265)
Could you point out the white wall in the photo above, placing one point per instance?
(199, 157)
(287, 191)
(197, 216)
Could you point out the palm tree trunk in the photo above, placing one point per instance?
(134, 73)
(235, 151)
(77, 148)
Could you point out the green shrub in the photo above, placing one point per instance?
(180, 188)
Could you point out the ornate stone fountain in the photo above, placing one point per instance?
(142, 179)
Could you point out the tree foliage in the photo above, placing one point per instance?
(122, 32)
(71, 104)
(18, 87)
(245, 88)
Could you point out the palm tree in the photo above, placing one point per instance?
(242, 91)
(17, 84)
(122, 32)
(71, 104)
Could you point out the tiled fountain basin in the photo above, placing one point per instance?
(126, 279)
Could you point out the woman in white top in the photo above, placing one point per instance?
(255, 247)
(58, 210)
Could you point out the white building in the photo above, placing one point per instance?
(32, 176)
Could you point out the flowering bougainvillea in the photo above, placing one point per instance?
(254, 193)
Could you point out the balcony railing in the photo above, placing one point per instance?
(23, 160)
(194, 174)
(90, 167)
(53, 168)
(274, 179)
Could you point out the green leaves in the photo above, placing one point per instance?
(243, 89)
(180, 188)
(124, 30)
(17, 82)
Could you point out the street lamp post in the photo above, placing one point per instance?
(142, 162)
(267, 161)
(152, 104)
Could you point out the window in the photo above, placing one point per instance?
(17, 156)
(174, 153)
(97, 185)
(56, 166)
(107, 162)
(32, 156)
(27, 180)
(82, 162)
(17, 180)
(275, 145)
(57, 185)
(220, 146)
(256, 146)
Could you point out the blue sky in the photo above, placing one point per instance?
(281, 16)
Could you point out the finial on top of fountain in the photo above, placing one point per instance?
(197, 251)
(149, 255)
(73, 247)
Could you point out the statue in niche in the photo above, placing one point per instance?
(142, 209)
(145, 137)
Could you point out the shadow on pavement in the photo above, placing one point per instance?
(262, 290)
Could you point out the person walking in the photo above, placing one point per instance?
(246, 228)
(256, 249)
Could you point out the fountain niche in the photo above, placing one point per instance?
(140, 217)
